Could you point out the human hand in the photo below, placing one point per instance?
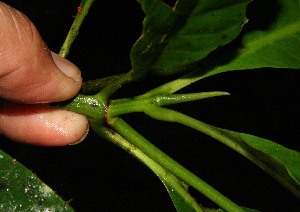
(31, 75)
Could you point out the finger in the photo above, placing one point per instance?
(42, 125)
(28, 71)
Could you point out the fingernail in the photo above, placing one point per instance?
(81, 139)
(67, 67)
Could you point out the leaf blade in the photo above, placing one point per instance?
(181, 199)
(210, 25)
(281, 163)
(21, 190)
(190, 31)
(278, 161)
(289, 159)
(276, 47)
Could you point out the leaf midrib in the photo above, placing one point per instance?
(265, 40)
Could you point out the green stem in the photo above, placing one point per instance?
(74, 30)
(90, 106)
(173, 86)
(94, 106)
(169, 115)
(178, 84)
(94, 86)
(224, 137)
(161, 172)
(178, 170)
(111, 88)
(138, 104)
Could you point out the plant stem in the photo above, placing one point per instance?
(111, 88)
(161, 172)
(74, 30)
(90, 106)
(138, 104)
(226, 137)
(169, 115)
(172, 166)
(173, 86)
(94, 86)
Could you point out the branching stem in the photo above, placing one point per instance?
(172, 166)
(166, 177)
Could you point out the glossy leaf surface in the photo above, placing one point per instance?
(281, 163)
(176, 37)
(21, 190)
(276, 47)
(280, 160)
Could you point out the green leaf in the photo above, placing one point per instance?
(176, 37)
(221, 210)
(184, 202)
(277, 47)
(21, 190)
(281, 163)
(181, 199)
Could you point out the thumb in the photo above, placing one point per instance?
(28, 71)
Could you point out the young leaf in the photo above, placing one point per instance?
(277, 47)
(176, 37)
(21, 190)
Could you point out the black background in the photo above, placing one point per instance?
(98, 176)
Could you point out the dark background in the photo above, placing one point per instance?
(98, 176)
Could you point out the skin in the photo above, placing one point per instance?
(30, 77)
